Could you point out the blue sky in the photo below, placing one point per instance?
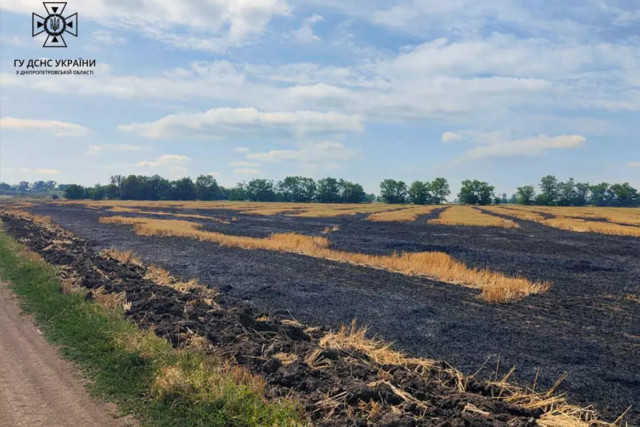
(505, 91)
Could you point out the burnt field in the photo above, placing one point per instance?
(586, 324)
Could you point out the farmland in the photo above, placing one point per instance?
(547, 290)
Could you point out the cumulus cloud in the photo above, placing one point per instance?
(226, 123)
(247, 171)
(328, 154)
(244, 164)
(57, 128)
(101, 37)
(523, 147)
(39, 171)
(232, 19)
(97, 149)
(173, 164)
(305, 34)
(450, 137)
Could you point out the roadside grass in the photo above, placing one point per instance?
(402, 215)
(468, 216)
(142, 373)
(495, 286)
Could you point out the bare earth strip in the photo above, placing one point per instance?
(37, 387)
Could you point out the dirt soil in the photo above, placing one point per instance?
(584, 325)
(37, 387)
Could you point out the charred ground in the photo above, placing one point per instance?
(583, 326)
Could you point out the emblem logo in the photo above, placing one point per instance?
(54, 24)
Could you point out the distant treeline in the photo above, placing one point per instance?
(205, 187)
(331, 190)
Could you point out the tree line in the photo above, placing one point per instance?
(550, 191)
(571, 193)
(205, 187)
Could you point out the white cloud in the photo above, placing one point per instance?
(40, 171)
(56, 127)
(634, 164)
(101, 37)
(173, 164)
(327, 154)
(244, 164)
(305, 34)
(247, 171)
(96, 149)
(450, 136)
(242, 149)
(233, 20)
(523, 147)
(226, 123)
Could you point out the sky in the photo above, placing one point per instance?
(504, 91)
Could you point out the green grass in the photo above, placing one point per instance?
(137, 370)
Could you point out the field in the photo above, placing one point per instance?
(549, 291)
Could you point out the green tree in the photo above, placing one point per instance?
(624, 195)
(328, 191)
(549, 191)
(207, 188)
(75, 192)
(567, 194)
(297, 189)
(23, 187)
(439, 188)
(351, 192)
(525, 195)
(239, 192)
(600, 195)
(98, 192)
(261, 190)
(183, 189)
(392, 191)
(474, 192)
(419, 193)
(582, 194)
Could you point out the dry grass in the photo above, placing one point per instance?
(70, 281)
(515, 212)
(495, 287)
(336, 210)
(254, 208)
(583, 226)
(402, 215)
(124, 257)
(120, 209)
(557, 411)
(468, 216)
(162, 277)
(581, 220)
(20, 213)
(353, 341)
(624, 216)
(329, 230)
(112, 301)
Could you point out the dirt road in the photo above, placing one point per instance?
(37, 387)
